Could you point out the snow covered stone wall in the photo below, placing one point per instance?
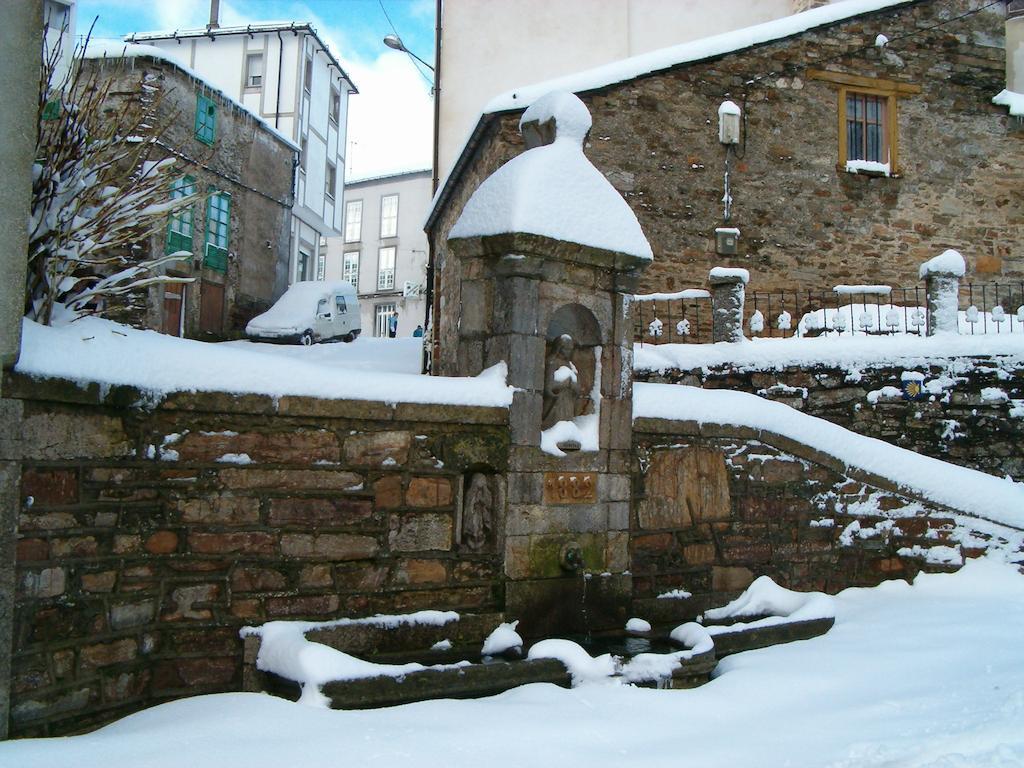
(148, 537)
(966, 410)
(716, 506)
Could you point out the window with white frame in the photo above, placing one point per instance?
(381, 315)
(254, 71)
(386, 268)
(389, 216)
(329, 182)
(335, 113)
(350, 268)
(353, 221)
(321, 266)
(307, 75)
(303, 151)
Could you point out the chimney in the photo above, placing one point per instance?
(1015, 46)
(214, 15)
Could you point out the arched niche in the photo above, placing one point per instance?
(578, 322)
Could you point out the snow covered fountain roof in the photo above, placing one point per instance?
(553, 190)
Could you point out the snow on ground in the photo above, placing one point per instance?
(966, 490)
(95, 350)
(922, 676)
(364, 354)
(851, 353)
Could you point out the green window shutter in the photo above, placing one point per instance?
(206, 119)
(218, 228)
(51, 110)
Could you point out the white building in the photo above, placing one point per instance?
(531, 41)
(285, 74)
(59, 23)
(384, 249)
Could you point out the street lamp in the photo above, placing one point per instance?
(394, 41)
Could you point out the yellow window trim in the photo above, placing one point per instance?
(872, 86)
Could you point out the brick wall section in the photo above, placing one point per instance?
(803, 222)
(141, 552)
(972, 413)
(712, 511)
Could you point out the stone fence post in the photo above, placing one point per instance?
(941, 277)
(728, 288)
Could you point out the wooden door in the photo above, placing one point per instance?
(174, 309)
(211, 307)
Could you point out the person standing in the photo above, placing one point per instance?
(418, 333)
(393, 325)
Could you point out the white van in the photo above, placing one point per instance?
(310, 311)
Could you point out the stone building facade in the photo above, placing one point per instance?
(804, 220)
(242, 171)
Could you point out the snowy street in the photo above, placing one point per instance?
(924, 676)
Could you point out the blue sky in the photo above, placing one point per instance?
(390, 120)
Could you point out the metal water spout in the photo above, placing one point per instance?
(571, 557)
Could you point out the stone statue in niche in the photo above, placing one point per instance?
(478, 512)
(561, 384)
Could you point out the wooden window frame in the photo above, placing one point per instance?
(890, 90)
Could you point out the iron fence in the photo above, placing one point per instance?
(683, 317)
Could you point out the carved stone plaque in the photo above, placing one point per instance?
(570, 487)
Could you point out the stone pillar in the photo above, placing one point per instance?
(728, 287)
(941, 277)
(20, 40)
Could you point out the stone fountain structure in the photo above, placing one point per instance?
(548, 257)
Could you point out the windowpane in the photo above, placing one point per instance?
(335, 104)
(206, 119)
(865, 127)
(218, 225)
(389, 216)
(381, 314)
(254, 70)
(350, 269)
(307, 79)
(353, 220)
(330, 180)
(386, 269)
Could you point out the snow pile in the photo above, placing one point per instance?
(110, 354)
(685, 294)
(675, 594)
(583, 667)
(554, 191)
(503, 638)
(1011, 99)
(285, 651)
(730, 273)
(868, 166)
(868, 694)
(949, 262)
(637, 626)
(777, 605)
(965, 490)
(647, 667)
(852, 353)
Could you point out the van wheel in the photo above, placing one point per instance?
(348, 338)
(307, 339)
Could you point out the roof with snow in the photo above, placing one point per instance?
(249, 29)
(387, 176)
(554, 191)
(657, 61)
(98, 48)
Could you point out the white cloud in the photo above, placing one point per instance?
(390, 122)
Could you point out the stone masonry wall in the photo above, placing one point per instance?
(971, 411)
(147, 538)
(804, 222)
(714, 508)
